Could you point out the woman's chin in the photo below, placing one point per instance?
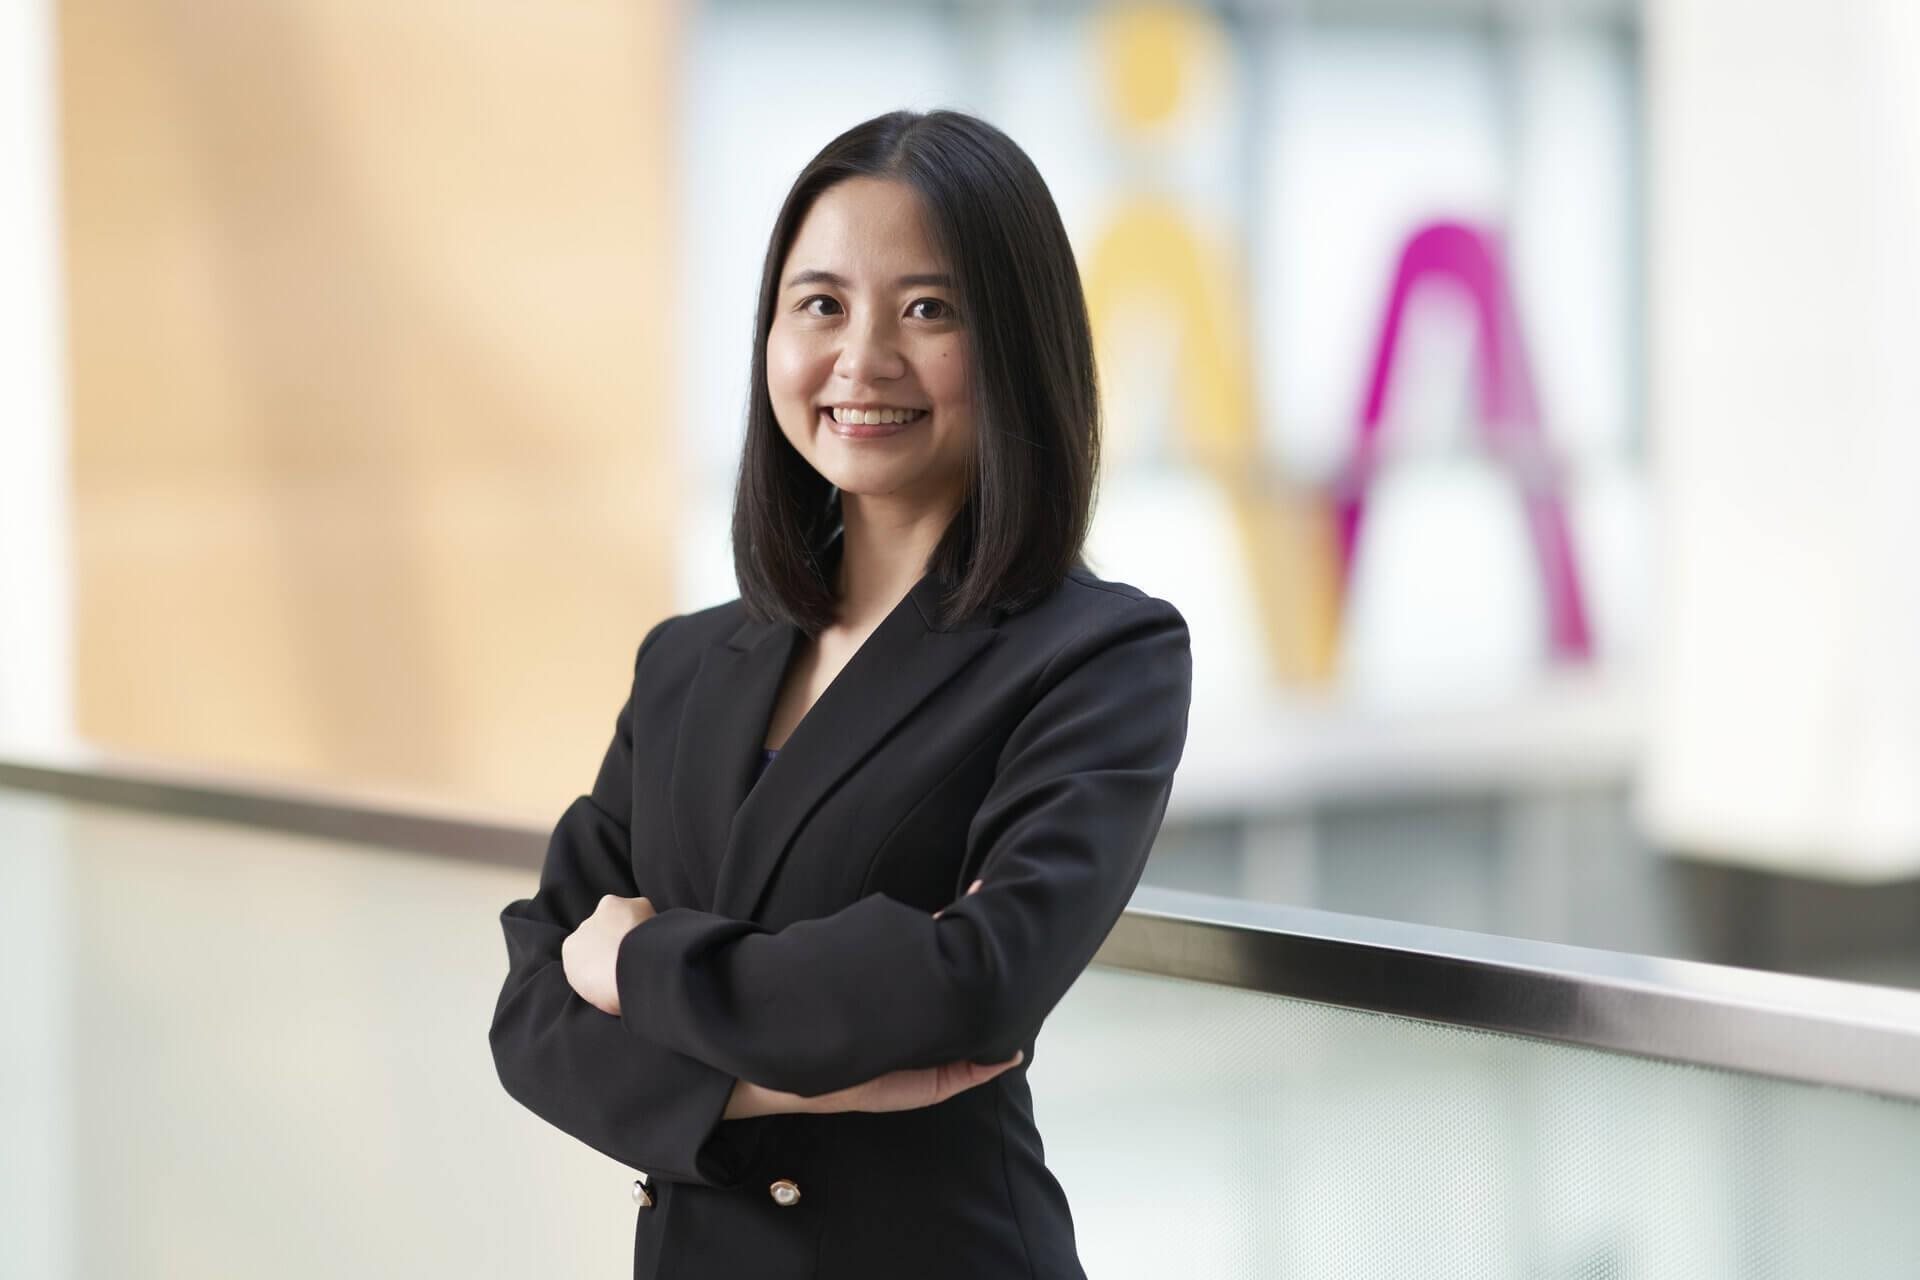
(879, 484)
(868, 487)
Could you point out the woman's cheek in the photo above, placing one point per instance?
(780, 369)
(792, 399)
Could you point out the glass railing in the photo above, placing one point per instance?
(245, 1035)
(1220, 1130)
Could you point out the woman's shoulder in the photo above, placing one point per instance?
(1083, 598)
(677, 640)
(1087, 614)
(697, 627)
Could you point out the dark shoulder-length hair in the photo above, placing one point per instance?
(1029, 501)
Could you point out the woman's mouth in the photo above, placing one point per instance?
(867, 426)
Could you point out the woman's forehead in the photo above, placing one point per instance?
(867, 231)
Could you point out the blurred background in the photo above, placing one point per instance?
(1518, 397)
(1513, 395)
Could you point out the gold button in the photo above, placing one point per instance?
(642, 1196)
(784, 1193)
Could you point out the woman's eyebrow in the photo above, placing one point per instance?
(840, 282)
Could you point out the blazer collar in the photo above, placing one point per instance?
(734, 831)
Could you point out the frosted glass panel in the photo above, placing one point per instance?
(235, 1052)
(1203, 1131)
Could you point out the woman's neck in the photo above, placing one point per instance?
(882, 555)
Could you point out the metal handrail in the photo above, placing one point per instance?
(1852, 1035)
(1815, 1030)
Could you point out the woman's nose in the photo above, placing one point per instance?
(869, 353)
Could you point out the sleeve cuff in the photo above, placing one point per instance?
(723, 1151)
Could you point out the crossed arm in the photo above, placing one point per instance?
(834, 1004)
(590, 953)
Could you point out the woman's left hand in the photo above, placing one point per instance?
(589, 951)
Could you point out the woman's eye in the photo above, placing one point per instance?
(941, 311)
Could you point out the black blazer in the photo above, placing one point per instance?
(795, 944)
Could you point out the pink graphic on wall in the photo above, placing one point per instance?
(1509, 418)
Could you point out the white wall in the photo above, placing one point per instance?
(35, 700)
(1785, 204)
(35, 1107)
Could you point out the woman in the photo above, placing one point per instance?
(749, 970)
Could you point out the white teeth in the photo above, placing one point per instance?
(874, 417)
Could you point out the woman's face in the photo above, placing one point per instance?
(865, 321)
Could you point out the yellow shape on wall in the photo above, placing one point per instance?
(1151, 252)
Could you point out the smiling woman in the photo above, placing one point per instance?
(918, 263)
(867, 346)
(751, 970)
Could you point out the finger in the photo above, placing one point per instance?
(971, 890)
(987, 1070)
(968, 1075)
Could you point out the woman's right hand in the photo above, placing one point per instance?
(905, 1090)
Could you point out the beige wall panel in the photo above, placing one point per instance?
(372, 334)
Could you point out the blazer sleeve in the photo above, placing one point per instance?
(1060, 841)
(576, 1067)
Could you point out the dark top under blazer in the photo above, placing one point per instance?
(795, 944)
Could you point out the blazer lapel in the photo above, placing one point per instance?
(738, 830)
(717, 752)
